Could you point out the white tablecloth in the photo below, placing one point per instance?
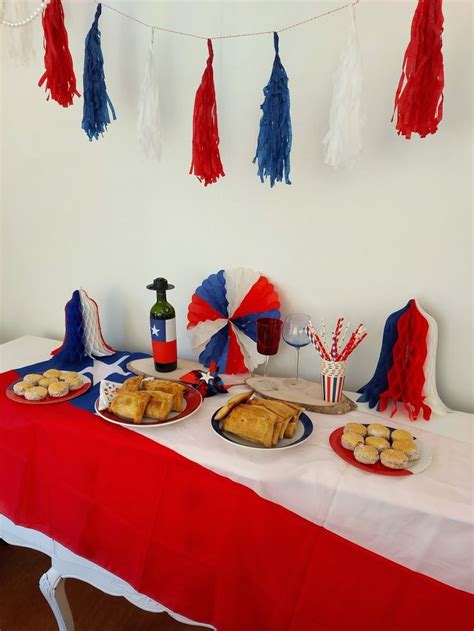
(424, 521)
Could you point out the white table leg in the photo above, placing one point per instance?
(52, 587)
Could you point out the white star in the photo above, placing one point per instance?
(207, 377)
(154, 330)
(100, 370)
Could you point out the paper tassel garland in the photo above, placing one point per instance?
(275, 135)
(343, 142)
(206, 161)
(96, 100)
(406, 367)
(419, 97)
(20, 44)
(222, 318)
(149, 129)
(83, 335)
(58, 77)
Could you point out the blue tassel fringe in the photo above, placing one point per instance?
(96, 100)
(275, 136)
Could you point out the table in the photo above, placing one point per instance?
(313, 483)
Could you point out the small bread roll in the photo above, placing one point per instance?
(379, 443)
(20, 387)
(376, 429)
(44, 383)
(357, 428)
(366, 454)
(74, 383)
(408, 447)
(401, 434)
(394, 459)
(52, 373)
(58, 389)
(350, 440)
(36, 393)
(33, 379)
(67, 374)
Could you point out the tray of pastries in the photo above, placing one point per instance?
(379, 449)
(252, 422)
(146, 402)
(50, 386)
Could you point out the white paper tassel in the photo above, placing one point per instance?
(19, 41)
(343, 140)
(149, 128)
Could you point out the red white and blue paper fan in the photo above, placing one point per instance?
(222, 318)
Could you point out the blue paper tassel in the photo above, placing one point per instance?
(96, 100)
(274, 138)
(370, 393)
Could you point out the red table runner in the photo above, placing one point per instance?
(199, 543)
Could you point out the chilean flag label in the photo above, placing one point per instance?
(163, 340)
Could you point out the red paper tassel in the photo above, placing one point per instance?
(206, 162)
(59, 71)
(419, 97)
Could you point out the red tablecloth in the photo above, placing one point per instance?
(200, 544)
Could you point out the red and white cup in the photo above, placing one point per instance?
(332, 380)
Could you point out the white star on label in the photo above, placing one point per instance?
(100, 370)
(154, 330)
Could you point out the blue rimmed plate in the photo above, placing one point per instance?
(303, 431)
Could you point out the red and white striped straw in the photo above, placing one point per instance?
(316, 341)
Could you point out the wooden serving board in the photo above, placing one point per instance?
(310, 397)
(146, 367)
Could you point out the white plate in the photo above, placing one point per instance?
(303, 431)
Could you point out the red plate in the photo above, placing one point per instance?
(348, 456)
(193, 401)
(71, 395)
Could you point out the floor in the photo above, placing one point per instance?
(23, 608)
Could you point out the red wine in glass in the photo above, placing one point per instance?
(268, 341)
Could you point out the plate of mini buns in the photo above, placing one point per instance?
(51, 386)
(377, 448)
(146, 402)
(254, 423)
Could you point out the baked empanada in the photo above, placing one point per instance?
(171, 387)
(159, 405)
(254, 423)
(283, 411)
(291, 427)
(232, 403)
(130, 405)
(132, 384)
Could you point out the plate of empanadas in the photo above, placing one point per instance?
(380, 449)
(146, 402)
(256, 423)
(50, 386)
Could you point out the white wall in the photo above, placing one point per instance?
(360, 243)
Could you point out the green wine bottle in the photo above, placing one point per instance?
(163, 328)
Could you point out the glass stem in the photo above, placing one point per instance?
(297, 378)
(266, 366)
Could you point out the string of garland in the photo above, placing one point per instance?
(418, 100)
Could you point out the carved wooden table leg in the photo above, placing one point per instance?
(52, 587)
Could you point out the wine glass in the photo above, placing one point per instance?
(268, 341)
(294, 334)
